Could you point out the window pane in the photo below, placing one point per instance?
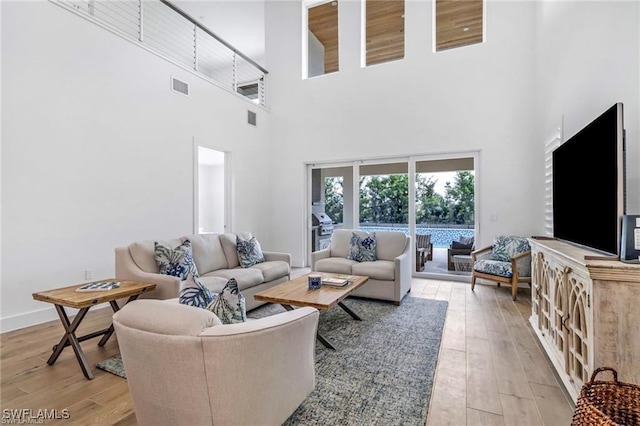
(385, 31)
(458, 23)
(323, 39)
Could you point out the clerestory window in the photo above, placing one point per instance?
(322, 47)
(384, 32)
(458, 23)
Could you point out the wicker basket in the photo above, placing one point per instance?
(607, 402)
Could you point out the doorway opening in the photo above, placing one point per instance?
(211, 191)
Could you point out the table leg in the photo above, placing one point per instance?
(322, 340)
(349, 311)
(70, 339)
(116, 308)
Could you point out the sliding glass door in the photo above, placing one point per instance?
(431, 198)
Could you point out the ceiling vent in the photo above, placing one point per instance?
(179, 86)
(251, 118)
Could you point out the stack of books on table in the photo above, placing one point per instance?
(338, 280)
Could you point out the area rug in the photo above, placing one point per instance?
(381, 372)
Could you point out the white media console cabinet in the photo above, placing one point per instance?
(585, 312)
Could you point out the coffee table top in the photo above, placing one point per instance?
(296, 292)
(68, 296)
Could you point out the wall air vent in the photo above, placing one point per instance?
(179, 86)
(251, 118)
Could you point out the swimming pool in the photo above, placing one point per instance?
(440, 237)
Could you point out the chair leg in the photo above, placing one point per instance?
(473, 282)
(514, 289)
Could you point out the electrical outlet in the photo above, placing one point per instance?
(88, 274)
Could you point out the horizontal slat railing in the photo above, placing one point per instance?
(169, 31)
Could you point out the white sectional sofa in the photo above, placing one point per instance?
(216, 259)
(389, 275)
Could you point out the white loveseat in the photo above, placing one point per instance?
(216, 259)
(389, 275)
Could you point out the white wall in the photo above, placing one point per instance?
(588, 58)
(98, 152)
(478, 97)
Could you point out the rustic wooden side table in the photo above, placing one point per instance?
(69, 297)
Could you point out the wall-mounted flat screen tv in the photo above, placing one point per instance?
(589, 184)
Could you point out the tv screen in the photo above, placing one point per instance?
(588, 184)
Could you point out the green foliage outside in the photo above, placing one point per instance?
(384, 200)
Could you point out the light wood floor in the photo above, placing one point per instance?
(490, 370)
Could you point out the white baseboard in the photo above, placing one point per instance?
(27, 319)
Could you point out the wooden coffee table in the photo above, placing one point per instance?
(296, 292)
(69, 297)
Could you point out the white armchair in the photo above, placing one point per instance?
(185, 368)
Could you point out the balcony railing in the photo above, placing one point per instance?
(166, 29)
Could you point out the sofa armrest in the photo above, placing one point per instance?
(270, 256)
(317, 255)
(167, 287)
(402, 272)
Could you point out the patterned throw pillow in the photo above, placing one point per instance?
(194, 293)
(249, 252)
(177, 262)
(505, 247)
(362, 249)
(368, 248)
(229, 305)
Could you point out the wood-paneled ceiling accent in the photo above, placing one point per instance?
(385, 30)
(323, 23)
(458, 23)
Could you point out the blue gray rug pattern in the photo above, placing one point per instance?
(382, 370)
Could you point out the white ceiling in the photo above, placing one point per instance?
(239, 22)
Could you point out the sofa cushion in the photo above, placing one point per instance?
(272, 270)
(494, 267)
(177, 262)
(390, 244)
(229, 305)
(194, 293)
(337, 265)
(228, 241)
(382, 270)
(246, 277)
(456, 245)
(340, 240)
(143, 254)
(362, 248)
(207, 252)
(249, 252)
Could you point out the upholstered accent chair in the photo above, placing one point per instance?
(424, 250)
(185, 368)
(507, 261)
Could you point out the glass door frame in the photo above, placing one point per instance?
(411, 160)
